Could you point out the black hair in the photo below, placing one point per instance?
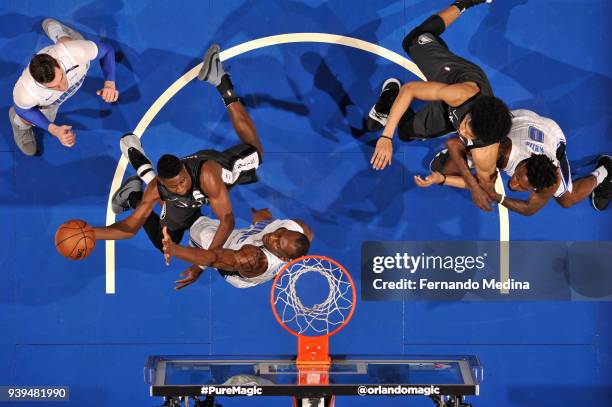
(42, 68)
(541, 171)
(301, 245)
(491, 119)
(169, 166)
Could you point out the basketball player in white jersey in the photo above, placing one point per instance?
(534, 156)
(54, 75)
(250, 256)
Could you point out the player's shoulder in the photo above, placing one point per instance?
(21, 96)
(83, 50)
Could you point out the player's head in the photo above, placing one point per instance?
(46, 71)
(286, 244)
(534, 173)
(173, 175)
(487, 122)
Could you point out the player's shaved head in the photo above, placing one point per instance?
(169, 166)
(300, 244)
(287, 244)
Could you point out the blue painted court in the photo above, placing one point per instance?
(58, 324)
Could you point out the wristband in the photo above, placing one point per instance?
(443, 181)
(501, 201)
(387, 137)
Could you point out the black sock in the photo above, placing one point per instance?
(134, 199)
(141, 164)
(226, 90)
(463, 5)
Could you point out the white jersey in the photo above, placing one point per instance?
(74, 58)
(534, 134)
(203, 230)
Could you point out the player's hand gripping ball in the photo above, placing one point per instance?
(75, 239)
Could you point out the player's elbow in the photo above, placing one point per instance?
(407, 88)
(565, 203)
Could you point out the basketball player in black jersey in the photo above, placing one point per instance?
(459, 99)
(182, 186)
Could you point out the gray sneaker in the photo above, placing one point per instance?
(55, 30)
(24, 138)
(120, 202)
(212, 69)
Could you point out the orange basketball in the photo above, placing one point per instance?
(75, 239)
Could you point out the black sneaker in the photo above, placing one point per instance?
(121, 199)
(379, 113)
(600, 197)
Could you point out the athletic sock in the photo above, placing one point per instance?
(600, 174)
(226, 90)
(141, 163)
(463, 5)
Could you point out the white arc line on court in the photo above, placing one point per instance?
(238, 50)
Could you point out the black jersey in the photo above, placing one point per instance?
(238, 166)
(461, 71)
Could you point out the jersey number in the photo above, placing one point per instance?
(536, 135)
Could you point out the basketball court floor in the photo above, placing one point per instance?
(91, 324)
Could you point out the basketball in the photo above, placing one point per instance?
(75, 239)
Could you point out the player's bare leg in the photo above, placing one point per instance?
(212, 72)
(597, 180)
(243, 125)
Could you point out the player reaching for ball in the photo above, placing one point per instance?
(182, 186)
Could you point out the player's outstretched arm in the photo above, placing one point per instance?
(213, 186)
(530, 207)
(437, 178)
(453, 95)
(248, 261)
(128, 227)
(458, 154)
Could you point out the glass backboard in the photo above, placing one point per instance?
(364, 375)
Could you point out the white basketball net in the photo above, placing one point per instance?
(319, 319)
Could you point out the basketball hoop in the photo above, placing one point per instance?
(313, 324)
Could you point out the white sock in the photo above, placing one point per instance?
(600, 174)
(147, 176)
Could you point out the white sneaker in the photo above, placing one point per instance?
(56, 30)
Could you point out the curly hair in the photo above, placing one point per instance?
(42, 68)
(541, 171)
(491, 119)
